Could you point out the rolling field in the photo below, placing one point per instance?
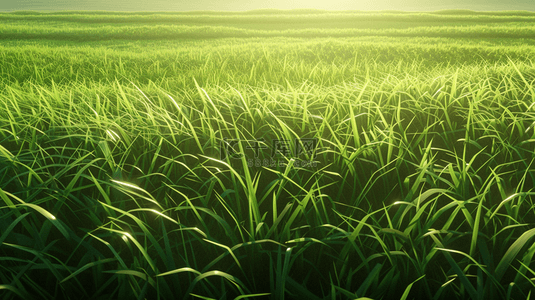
(267, 155)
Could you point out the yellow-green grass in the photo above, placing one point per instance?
(112, 183)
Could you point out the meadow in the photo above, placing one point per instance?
(267, 155)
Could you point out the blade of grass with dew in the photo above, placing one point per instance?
(87, 266)
(134, 273)
(409, 287)
(511, 253)
(232, 279)
(457, 269)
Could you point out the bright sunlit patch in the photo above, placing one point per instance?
(6, 153)
(94, 111)
(126, 184)
(114, 136)
(126, 236)
(316, 4)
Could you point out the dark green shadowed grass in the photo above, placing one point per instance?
(114, 182)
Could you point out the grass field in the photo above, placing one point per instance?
(138, 155)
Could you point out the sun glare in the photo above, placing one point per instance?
(314, 4)
(170, 148)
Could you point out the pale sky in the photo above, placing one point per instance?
(241, 5)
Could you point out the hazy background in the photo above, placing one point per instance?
(240, 5)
